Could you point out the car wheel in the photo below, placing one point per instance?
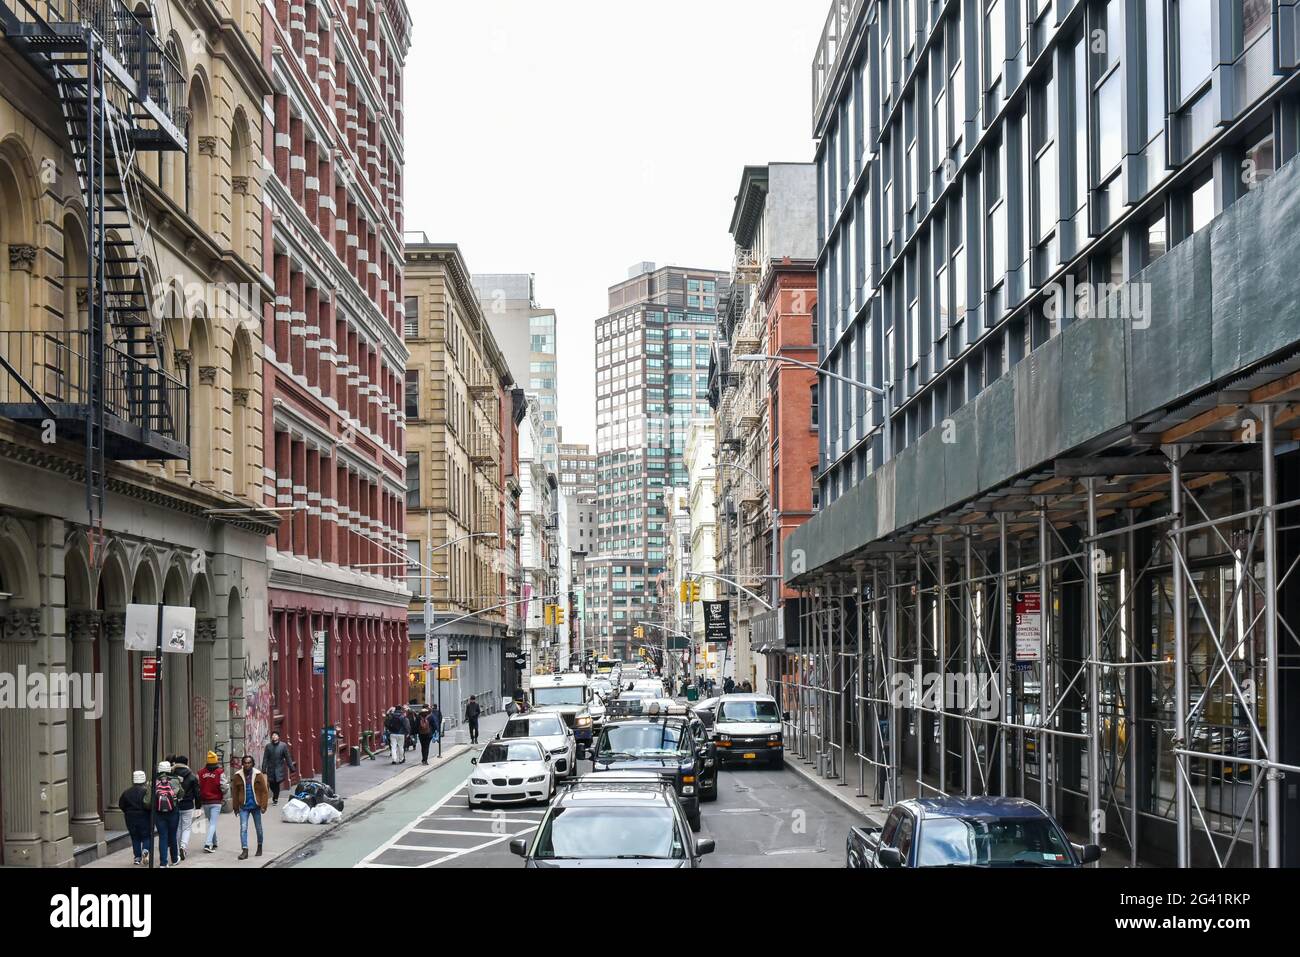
(710, 793)
(777, 761)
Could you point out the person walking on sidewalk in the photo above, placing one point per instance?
(413, 722)
(472, 711)
(167, 816)
(188, 799)
(398, 728)
(277, 764)
(424, 731)
(251, 796)
(213, 788)
(134, 805)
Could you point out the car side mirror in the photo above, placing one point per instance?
(889, 857)
(785, 715)
(548, 757)
(704, 846)
(473, 760)
(519, 847)
(702, 750)
(1090, 853)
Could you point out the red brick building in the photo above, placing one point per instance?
(333, 424)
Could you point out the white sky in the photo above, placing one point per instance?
(573, 138)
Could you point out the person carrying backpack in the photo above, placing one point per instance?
(424, 731)
(398, 728)
(167, 815)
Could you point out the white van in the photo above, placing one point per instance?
(747, 730)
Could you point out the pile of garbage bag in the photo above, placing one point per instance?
(313, 802)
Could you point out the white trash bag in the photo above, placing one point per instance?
(324, 814)
(295, 812)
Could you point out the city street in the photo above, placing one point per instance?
(762, 818)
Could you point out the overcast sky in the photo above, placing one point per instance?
(573, 138)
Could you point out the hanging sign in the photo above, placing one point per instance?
(1029, 626)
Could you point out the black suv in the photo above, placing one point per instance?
(674, 746)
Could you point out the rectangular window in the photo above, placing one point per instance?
(412, 305)
(996, 48)
(412, 394)
(1109, 108)
(1255, 15)
(1154, 25)
(412, 479)
(1195, 57)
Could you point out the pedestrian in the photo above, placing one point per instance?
(728, 686)
(413, 719)
(435, 720)
(472, 711)
(134, 805)
(277, 764)
(424, 731)
(167, 816)
(397, 728)
(188, 800)
(251, 795)
(213, 788)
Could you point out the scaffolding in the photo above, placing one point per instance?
(1141, 703)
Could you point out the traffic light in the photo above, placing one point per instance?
(640, 632)
(690, 592)
(695, 591)
(548, 614)
(559, 615)
(685, 592)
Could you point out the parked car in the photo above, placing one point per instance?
(511, 772)
(673, 746)
(549, 729)
(613, 821)
(966, 832)
(707, 711)
(747, 729)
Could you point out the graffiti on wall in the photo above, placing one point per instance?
(257, 701)
(202, 726)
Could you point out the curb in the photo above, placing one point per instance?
(830, 789)
(365, 806)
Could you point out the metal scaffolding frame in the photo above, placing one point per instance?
(905, 662)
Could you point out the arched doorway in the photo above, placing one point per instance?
(117, 726)
(20, 621)
(84, 623)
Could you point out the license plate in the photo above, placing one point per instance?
(750, 756)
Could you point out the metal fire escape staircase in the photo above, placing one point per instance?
(105, 384)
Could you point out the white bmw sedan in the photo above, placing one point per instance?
(511, 772)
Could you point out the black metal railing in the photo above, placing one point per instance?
(128, 38)
(56, 366)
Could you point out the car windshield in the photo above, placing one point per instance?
(641, 740)
(571, 695)
(541, 726)
(1006, 842)
(500, 753)
(748, 711)
(610, 832)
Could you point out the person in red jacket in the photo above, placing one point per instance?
(213, 788)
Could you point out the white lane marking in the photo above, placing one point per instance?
(417, 847)
(402, 833)
(472, 850)
(434, 830)
(485, 820)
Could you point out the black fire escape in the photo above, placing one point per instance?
(103, 385)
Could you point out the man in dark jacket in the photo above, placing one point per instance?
(134, 805)
(413, 721)
(187, 799)
(472, 711)
(398, 728)
(276, 765)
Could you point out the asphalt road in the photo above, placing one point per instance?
(762, 818)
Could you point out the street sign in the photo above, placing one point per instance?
(318, 653)
(458, 654)
(177, 628)
(428, 666)
(1029, 626)
(149, 668)
(717, 620)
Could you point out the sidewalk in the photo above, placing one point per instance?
(360, 787)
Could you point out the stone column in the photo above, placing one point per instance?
(116, 732)
(202, 733)
(87, 824)
(19, 775)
